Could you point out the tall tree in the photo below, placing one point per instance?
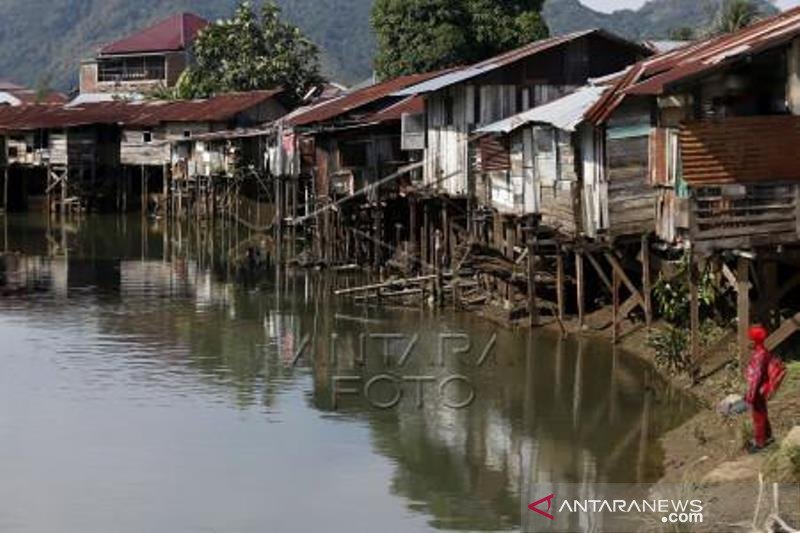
(735, 15)
(251, 51)
(423, 35)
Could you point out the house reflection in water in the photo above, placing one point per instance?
(192, 322)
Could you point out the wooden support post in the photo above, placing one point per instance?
(600, 272)
(437, 265)
(5, 190)
(413, 230)
(533, 305)
(425, 235)
(165, 191)
(560, 281)
(64, 184)
(615, 314)
(769, 287)
(446, 253)
(580, 288)
(694, 309)
(144, 191)
(743, 310)
(647, 280)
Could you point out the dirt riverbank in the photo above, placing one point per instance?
(706, 454)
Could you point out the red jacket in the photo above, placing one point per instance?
(757, 373)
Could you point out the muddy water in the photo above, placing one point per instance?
(148, 382)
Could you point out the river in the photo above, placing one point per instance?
(151, 382)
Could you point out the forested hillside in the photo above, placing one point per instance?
(42, 41)
(657, 19)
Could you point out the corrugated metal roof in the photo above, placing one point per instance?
(354, 100)
(714, 53)
(664, 46)
(221, 108)
(223, 135)
(173, 34)
(21, 95)
(412, 105)
(611, 99)
(502, 60)
(565, 113)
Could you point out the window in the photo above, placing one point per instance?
(187, 134)
(41, 139)
(147, 137)
(142, 68)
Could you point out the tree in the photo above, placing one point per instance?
(735, 15)
(683, 33)
(251, 52)
(422, 35)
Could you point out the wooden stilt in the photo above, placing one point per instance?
(694, 309)
(446, 252)
(425, 235)
(743, 309)
(560, 284)
(64, 184)
(144, 191)
(647, 291)
(413, 230)
(437, 265)
(579, 281)
(533, 305)
(615, 286)
(165, 190)
(5, 190)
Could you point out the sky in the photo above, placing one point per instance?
(611, 5)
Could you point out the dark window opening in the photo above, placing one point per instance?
(448, 110)
(187, 134)
(147, 137)
(353, 155)
(143, 68)
(41, 139)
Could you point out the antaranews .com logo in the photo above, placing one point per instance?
(618, 508)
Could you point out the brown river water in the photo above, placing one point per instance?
(148, 382)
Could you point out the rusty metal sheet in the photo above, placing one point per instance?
(495, 153)
(741, 150)
(221, 108)
(654, 75)
(355, 100)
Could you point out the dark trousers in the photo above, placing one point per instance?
(761, 426)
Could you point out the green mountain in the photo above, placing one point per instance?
(657, 19)
(42, 41)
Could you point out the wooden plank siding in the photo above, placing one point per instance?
(755, 214)
(631, 198)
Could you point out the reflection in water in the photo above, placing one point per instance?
(153, 380)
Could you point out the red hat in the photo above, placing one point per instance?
(758, 334)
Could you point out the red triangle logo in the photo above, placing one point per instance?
(535, 506)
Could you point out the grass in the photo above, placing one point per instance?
(783, 465)
(792, 380)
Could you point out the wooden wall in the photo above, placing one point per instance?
(631, 197)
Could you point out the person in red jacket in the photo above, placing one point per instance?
(757, 377)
